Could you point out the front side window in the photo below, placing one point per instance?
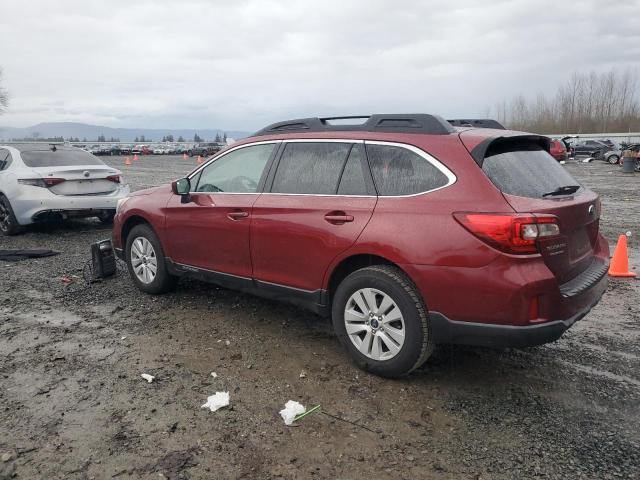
(399, 171)
(310, 168)
(238, 171)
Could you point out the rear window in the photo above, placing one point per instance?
(526, 172)
(61, 157)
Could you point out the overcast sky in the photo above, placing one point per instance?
(242, 64)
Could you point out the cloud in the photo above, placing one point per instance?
(245, 63)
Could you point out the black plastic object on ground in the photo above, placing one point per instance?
(17, 255)
(103, 259)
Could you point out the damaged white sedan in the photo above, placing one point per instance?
(40, 181)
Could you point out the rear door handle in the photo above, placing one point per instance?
(338, 218)
(237, 215)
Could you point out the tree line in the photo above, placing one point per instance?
(587, 103)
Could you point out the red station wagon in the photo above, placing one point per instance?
(407, 230)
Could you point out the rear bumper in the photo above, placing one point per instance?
(445, 330)
(32, 205)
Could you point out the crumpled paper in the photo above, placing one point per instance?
(147, 377)
(217, 401)
(291, 410)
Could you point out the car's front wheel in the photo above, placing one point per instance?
(381, 320)
(8, 223)
(613, 159)
(146, 263)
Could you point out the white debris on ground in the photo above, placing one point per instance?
(227, 343)
(291, 410)
(147, 377)
(214, 374)
(303, 374)
(217, 401)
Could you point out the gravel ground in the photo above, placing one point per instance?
(73, 404)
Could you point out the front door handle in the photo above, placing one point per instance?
(239, 215)
(338, 218)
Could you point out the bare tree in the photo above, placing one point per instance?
(587, 103)
(4, 96)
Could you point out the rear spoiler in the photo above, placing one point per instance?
(477, 123)
(506, 143)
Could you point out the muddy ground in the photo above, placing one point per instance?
(73, 404)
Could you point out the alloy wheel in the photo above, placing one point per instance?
(374, 324)
(143, 260)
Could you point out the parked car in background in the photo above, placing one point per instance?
(558, 150)
(124, 150)
(39, 182)
(405, 230)
(141, 150)
(204, 149)
(591, 148)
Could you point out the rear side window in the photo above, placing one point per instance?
(399, 171)
(310, 167)
(61, 157)
(353, 181)
(526, 172)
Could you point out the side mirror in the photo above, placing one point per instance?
(181, 187)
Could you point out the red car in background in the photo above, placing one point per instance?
(558, 150)
(405, 230)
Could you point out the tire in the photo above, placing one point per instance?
(106, 218)
(8, 223)
(386, 281)
(162, 280)
(613, 159)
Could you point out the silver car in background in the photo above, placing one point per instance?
(42, 181)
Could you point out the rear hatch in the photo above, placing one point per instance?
(532, 181)
(71, 171)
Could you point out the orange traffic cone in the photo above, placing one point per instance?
(620, 262)
(184, 156)
(199, 159)
(127, 161)
(135, 158)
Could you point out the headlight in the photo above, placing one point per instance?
(120, 203)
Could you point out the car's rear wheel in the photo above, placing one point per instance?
(380, 319)
(8, 223)
(613, 159)
(146, 262)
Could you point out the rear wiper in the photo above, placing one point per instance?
(564, 190)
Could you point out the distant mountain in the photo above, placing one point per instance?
(92, 132)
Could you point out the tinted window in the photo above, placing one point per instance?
(526, 172)
(236, 172)
(4, 158)
(352, 181)
(61, 157)
(398, 171)
(312, 168)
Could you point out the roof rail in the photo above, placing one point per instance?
(394, 123)
(477, 123)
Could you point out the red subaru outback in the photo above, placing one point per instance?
(406, 230)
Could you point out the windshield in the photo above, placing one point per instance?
(527, 172)
(61, 157)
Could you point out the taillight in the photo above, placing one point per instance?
(512, 233)
(41, 182)
(114, 178)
